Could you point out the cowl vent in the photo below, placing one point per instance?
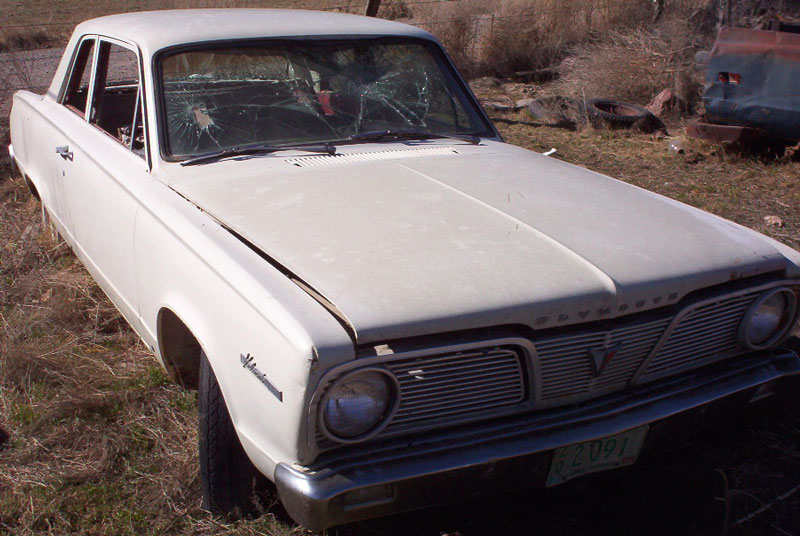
(372, 156)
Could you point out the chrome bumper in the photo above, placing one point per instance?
(507, 455)
(13, 159)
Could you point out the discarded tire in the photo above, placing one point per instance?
(614, 113)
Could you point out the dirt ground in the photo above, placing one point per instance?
(99, 442)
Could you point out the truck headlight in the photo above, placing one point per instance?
(768, 319)
(357, 404)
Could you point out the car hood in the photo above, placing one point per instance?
(435, 238)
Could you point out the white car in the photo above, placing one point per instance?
(309, 218)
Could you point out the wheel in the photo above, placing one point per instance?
(616, 113)
(229, 479)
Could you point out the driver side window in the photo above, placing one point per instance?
(116, 102)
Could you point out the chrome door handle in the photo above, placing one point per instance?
(65, 153)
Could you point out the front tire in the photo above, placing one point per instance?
(228, 477)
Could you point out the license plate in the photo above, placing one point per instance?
(598, 455)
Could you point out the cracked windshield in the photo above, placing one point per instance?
(309, 92)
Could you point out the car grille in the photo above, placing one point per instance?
(521, 375)
(448, 386)
(442, 389)
(702, 336)
(566, 369)
(705, 335)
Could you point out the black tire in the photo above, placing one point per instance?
(616, 113)
(229, 479)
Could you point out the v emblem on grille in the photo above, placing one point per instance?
(601, 357)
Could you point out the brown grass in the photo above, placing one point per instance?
(97, 441)
(27, 39)
(636, 64)
(511, 35)
(100, 443)
(94, 439)
(41, 23)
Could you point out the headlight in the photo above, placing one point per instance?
(768, 319)
(358, 403)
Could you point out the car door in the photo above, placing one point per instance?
(105, 166)
(46, 135)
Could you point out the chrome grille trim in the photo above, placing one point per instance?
(447, 385)
(708, 325)
(566, 369)
(702, 335)
(456, 384)
(482, 381)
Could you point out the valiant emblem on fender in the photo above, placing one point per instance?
(601, 357)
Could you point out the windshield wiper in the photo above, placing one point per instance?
(410, 134)
(245, 150)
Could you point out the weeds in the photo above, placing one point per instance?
(95, 440)
(93, 437)
(30, 40)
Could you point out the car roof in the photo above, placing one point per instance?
(154, 30)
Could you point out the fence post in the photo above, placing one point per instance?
(372, 8)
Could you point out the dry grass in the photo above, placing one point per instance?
(511, 35)
(636, 64)
(598, 70)
(39, 23)
(98, 442)
(27, 39)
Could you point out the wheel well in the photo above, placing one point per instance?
(180, 350)
(32, 187)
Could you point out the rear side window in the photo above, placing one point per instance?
(80, 77)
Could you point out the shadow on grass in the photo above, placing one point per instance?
(765, 151)
(566, 124)
(689, 485)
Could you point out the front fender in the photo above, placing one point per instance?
(262, 333)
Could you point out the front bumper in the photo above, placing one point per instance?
(511, 454)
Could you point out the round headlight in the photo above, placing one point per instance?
(358, 403)
(768, 318)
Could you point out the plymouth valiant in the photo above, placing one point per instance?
(309, 218)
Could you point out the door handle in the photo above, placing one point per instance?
(64, 152)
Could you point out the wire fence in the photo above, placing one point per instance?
(466, 27)
(68, 17)
(59, 18)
